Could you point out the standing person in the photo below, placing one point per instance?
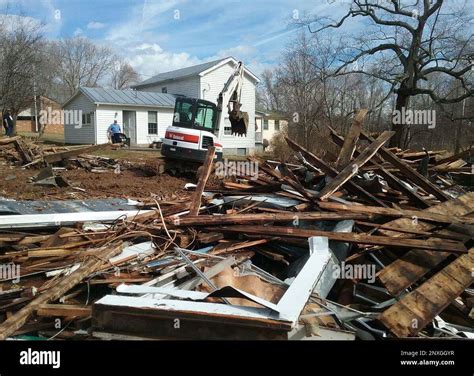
(114, 132)
(8, 123)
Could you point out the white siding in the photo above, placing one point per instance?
(212, 84)
(188, 86)
(84, 134)
(107, 114)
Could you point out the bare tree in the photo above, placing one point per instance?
(407, 44)
(123, 75)
(80, 63)
(21, 57)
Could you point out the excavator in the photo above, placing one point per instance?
(198, 124)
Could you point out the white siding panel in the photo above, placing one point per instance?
(107, 114)
(189, 87)
(212, 84)
(84, 134)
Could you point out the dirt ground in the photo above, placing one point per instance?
(136, 180)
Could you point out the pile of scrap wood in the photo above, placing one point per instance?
(28, 153)
(377, 244)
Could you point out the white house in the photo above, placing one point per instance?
(268, 124)
(206, 81)
(144, 116)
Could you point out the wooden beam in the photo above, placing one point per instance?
(226, 219)
(432, 244)
(353, 168)
(391, 179)
(23, 151)
(332, 172)
(455, 157)
(57, 157)
(412, 266)
(409, 172)
(205, 173)
(63, 310)
(350, 141)
(399, 213)
(414, 311)
(92, 264)
(8, 140)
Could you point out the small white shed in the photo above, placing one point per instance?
(143, 116)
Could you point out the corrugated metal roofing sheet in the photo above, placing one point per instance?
(128, 97)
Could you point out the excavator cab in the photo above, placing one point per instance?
(196, 114)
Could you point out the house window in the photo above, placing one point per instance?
(164, 89)
(277, 125)
(265, 124)
(87, 118)
(152, 122)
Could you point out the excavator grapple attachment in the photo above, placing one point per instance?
(239, 122)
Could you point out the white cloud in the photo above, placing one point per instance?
(151, 59)
(94, 25)
(78, 32)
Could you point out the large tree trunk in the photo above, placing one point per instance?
(398, 139)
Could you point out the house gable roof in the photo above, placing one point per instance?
(126, 97)
(193, 71)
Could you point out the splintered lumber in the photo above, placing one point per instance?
(63, 310)
(417, 309)
(8, 140)
(432, 244)
(399, 213)
(204, 175)
(409, 172)
(91, 265)
(205, 220)
(412, 266)
(391, 179)
(398, 184)
(454, 157)
(350, 141)
(352, 169)
(23, 151)
(332, 172)
(57, 157)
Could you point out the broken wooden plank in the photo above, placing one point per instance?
(415, 215)
(432, 244)
(16, 321)
(353, 168)
(206, 220)
(409, 172)
(9, 140)
(391, 179)
(454, 157)
(409, 268)
(57, 157)
(414, 311)
(23, 150)
(204, 175)
(350, 141)
(330, 171)
(63, 310)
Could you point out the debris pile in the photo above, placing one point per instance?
(376, 244)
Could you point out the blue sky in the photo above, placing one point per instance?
(161, 35)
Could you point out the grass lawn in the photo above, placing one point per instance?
(48, 138)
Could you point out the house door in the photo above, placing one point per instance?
(130, 126)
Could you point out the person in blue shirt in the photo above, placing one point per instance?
(114, 132)
(8, 123)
